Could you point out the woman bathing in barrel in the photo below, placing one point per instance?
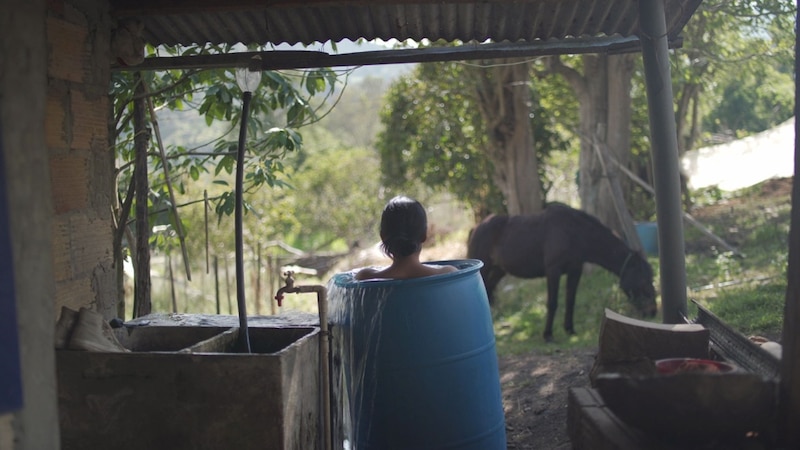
(404, 227)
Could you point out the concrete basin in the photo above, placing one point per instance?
(190, 387)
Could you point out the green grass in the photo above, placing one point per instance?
(747, 292)
(752, 310)
(520, 312)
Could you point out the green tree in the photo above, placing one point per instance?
(750, 57)
(355, 117)
(602, 85)
(337, 200)
(279, 108)
(753, 101)
(734, 74)
(451, 126)
(329, 200)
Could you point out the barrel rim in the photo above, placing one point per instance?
(465, 268)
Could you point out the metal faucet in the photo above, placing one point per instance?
(324, 345)
(287, 289)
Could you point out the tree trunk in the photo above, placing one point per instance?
(592, 187)
(603, 90)
(141, 290)
(505, 100)
(687, 129)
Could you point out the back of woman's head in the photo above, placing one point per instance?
(404, 227)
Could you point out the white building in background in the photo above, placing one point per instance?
(744, 162)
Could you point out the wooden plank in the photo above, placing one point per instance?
(626, 339)
(592, 426)
(577, 399)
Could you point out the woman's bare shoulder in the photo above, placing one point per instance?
(436, 269)
(394, 271)
(367, 273)
(403, 272)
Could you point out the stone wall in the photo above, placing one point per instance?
(81, 165)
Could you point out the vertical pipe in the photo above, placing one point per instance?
(324, 362)
(257, 291)
(228, 286)
(205, 224)
(216, 283)
(172, 283)
(271, 283)
(324, 352)
(666, 173)
(244, 334)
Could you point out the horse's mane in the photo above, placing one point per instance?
(583, 215)
(578, 213)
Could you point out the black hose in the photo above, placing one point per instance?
(244, 335)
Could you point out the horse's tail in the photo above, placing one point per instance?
(482, 237)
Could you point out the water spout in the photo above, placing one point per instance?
(287, 289)
(324, 345)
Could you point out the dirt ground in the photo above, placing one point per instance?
(535, 389)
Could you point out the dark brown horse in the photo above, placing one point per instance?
(554, 242)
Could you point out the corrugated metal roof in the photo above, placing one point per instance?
(271, 21)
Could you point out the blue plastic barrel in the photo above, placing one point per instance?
(417, 362)
(648, 235)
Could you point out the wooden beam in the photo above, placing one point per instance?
(306, 59)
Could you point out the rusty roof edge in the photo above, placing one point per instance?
(142, 8)
(679, 21)
(200, 22)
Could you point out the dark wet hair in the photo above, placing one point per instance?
(404, 227)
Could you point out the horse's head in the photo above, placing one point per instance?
(636, 280)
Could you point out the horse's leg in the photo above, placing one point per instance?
(573, 277)
(552, 304)
(491, 277)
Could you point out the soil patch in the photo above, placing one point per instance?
(535, 389)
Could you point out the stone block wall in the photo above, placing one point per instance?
(81, 165)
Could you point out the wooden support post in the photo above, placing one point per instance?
(141, 291)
